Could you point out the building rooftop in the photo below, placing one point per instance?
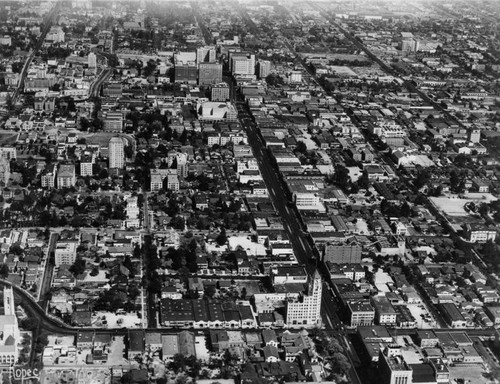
(360, 306)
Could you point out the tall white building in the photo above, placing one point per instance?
(205, 54)
(86, 166)
(264, 68)
(65, 252)
(132, 208)
(92, 60)
(116, 151)
(306, 312)
(9, 330)
(295, 77)
(55, 35)
(475, 136)
(9, 307)
(66, 176)
(242, 64)
(182, 165)
(4, 170)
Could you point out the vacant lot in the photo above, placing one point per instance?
(454, 206)
(470, 374)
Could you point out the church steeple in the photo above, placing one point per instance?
(8, 302)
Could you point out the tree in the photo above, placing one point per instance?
(16, 249)
(341, 363)
(178, 223)
(243, 293)
(150, 68)
(301, 147)
(235, 206)
(364, 182)
(78, 267)
(491, 254)
(191, 263)
(176, 257)
(333, 346)
(84, 124)
(455, 181)
(210, 291)
(17, 67)
(133, 292)
(422, 178)
(77, 221)
(483, 209)
(129, 151)
(103, 174)
(29, 324)
(405, 210)
(274, 80)
(4, 271)
(341, 176)
(461, 160)
(41, 343)
(94, 271)
(178, 362)
(127, 263)
(221, 239)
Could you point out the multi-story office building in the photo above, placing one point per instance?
(65, 252)
(186, 72)
(157, 178)
(393, 368)
(242, 64)
(306, 312)
(66, 176)
(92, 60)
(173, 182)
(182, 165)
(384, 311)
(479, 233)
(86, 166)
(116, 151)
(220, 92)
(475, 135)
(361, 312)
(113, 121)
(49, 176)
(206, 54)
(264, 68)
(209, 73)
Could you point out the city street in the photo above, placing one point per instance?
(304, 253)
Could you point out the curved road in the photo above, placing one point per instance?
(46, 322)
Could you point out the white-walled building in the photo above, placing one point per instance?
(65, 252)
(9, 330)
(116, 151)
(306, 313)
